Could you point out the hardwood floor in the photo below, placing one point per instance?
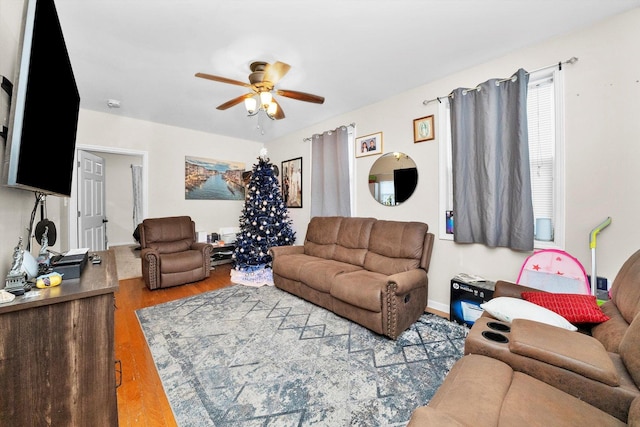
(141, 398)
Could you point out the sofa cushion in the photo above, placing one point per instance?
(321, 273)
(507, 309)
(427, 416)
(630, 350)
(360, 288)
(625, 290)
(634, 413)
(576, 308)
(181, 261)
(610, 333)
(322, 235)
(395, 246)
(473, 391)
(353, 240)
(171, 247)
(168, 229)
(533, 402)
(292, 268)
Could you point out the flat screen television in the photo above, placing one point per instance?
(45, 102)
(404, 182)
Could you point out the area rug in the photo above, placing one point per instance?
(246, 356)
(128, 262)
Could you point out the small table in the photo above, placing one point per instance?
(222, 254)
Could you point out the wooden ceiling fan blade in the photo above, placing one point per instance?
(274, 72)
(301, 96)
(234, 101)
(222, 79)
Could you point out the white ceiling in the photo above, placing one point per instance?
(145, 53)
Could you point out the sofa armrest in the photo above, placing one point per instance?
(276, 251)
(206, 249)
(408, 280)
(559, 347)
(504, 288)
(149, 254)
(201, 246)
(151, 267)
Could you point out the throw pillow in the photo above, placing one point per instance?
(576, 308)
(508, 308)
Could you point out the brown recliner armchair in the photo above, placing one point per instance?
(170, 254)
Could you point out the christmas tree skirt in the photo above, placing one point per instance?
(260, 277)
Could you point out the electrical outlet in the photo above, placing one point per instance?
(602, 283)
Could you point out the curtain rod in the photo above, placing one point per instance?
(571, 60)
(350, 124)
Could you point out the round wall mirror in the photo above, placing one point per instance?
(393, 178)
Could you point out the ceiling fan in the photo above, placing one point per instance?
(262, 80)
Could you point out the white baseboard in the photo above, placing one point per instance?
(438, 306)
(112, 244)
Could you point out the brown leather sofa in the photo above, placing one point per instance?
(593, 376)
(600, 366)
(481, 391)
(170, 254)
(373, 272)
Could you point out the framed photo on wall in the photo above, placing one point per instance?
(423, 129)
(369, 145)
(291, 171)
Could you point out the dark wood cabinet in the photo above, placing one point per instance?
(57, 357)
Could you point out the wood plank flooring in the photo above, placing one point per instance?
(141, 398)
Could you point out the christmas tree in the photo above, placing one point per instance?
(264, 223)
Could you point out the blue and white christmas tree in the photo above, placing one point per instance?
(264, 223)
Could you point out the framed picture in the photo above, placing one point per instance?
(291, 171)
(211, 179)
(369, 145)
(423, 129)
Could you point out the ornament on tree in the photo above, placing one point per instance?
(264, 222)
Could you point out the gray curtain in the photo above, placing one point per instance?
(492, 201)
(330, 188)
(136, 178)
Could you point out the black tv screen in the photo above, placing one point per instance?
(44, 108)
(404, 182)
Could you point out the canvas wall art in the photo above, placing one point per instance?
(210, 179)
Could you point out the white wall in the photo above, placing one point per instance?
(602, 103)
(167, 147)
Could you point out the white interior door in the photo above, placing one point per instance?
(92, 218)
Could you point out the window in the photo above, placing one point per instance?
(546, 148)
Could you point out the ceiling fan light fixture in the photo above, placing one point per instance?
(272, 109)
(262, 80)
(265, 99)
(250, 104)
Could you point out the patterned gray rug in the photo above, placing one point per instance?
(244, 356)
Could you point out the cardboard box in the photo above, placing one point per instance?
(465, 300)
